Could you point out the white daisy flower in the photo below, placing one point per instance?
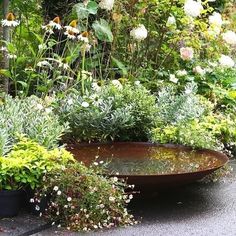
(10, 21)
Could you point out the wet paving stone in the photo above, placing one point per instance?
(201, 209)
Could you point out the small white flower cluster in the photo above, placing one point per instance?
(106, 4)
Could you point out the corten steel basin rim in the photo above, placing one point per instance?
(157, 182)
(222, 157)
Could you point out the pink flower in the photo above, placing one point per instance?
(186, 53)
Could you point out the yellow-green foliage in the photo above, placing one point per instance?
(28, 162)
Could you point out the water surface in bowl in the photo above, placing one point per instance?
(147, 160)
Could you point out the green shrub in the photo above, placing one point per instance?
(113, 113)
(26, 164)
(81, 200)
(29, 117)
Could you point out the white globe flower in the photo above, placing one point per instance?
(216, 19)
(229, 37)
(106, 4)
(226, 61)
(139, 33)
(193, 8)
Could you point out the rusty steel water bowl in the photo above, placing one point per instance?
(151, 166)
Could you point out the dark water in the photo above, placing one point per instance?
(147, 160)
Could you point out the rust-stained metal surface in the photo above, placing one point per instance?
(126, 151)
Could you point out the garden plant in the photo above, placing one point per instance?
(161, 71)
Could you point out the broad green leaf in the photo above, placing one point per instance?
(83, 11)
(120, 65)
(103, 31)
(5, 72)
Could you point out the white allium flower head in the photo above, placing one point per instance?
(106, 4)
(216, 19)
(226, 61)
(69, 199)
(193, 8)
(139, 33)
(229, 37)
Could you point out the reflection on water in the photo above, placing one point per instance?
(145, 160)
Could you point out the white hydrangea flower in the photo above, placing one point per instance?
(139, 33)
(193, 8)
(216, 19)
(106, 4)
(229, 37)
(226, 61)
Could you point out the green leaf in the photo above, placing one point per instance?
(103, 31)
(5, 72)
(83, 11)
(120, 65)
(24, 84)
